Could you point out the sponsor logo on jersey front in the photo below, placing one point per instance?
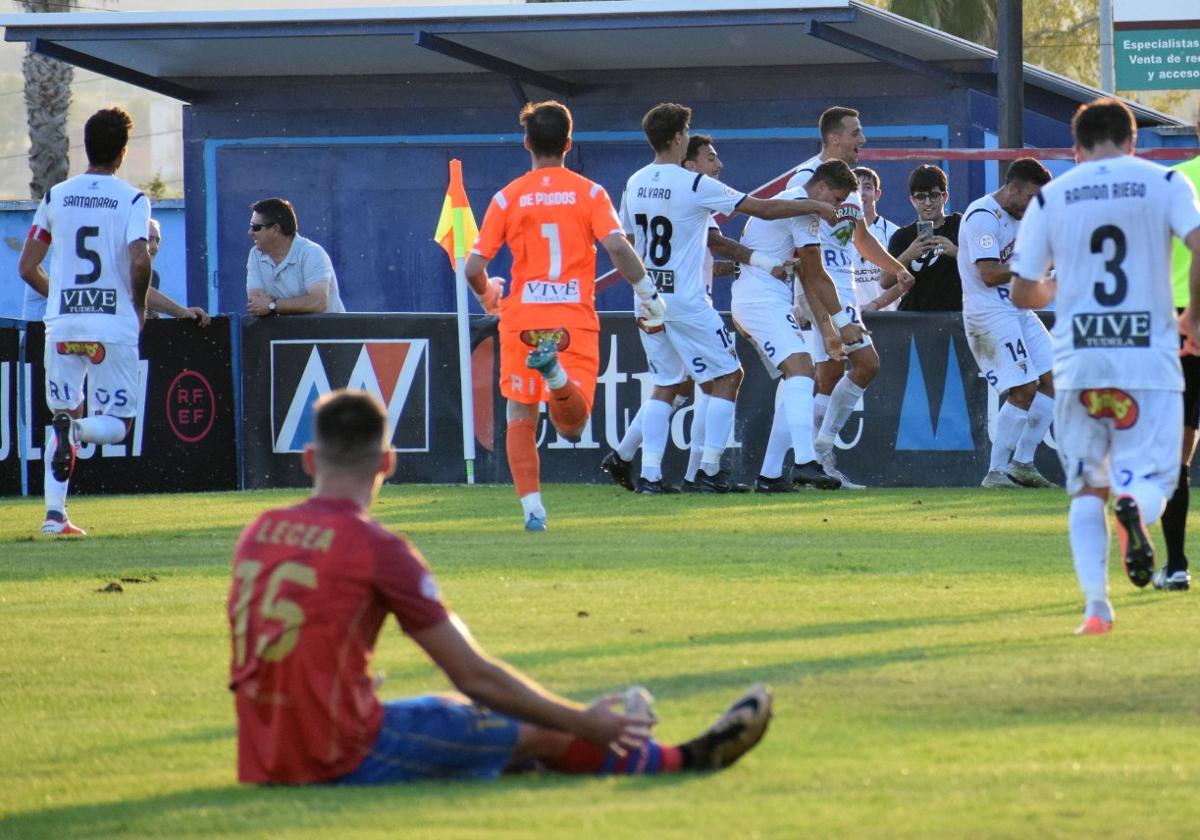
(1111, 330)
(88, 302)
(663, 279)
(543, 291)
(394, 371)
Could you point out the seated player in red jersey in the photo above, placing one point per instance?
(312, 586)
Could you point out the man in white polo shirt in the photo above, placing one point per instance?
(286, 274)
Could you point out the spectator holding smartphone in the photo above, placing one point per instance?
(928, 247)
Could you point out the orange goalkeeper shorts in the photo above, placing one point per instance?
(578, 353)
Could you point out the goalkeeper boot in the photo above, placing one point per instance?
(733, 735)
(1137, 552)
(543, 359)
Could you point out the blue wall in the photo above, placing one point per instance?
(365, 162)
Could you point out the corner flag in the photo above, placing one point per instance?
(456, 232)
(456, 228)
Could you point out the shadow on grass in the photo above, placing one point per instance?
(261, 811)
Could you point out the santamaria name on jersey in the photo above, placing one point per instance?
(1096, 192)
(90, 202)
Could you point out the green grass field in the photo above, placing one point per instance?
(919, 643)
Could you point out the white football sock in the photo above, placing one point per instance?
(1088, 529)
(629, 444)
(656, 427)
(717, 425)
(1010, 422)
(699, 421)
(532, 505)
(820, 406)
(780, 440)
(797, 402)
(100, 428)
(842, 401)
(55, 492)
(1040, 415)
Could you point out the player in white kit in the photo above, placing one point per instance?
(96, 303)
(1106, 228)
(667, 212)
(1010, 345)
(762, 309)
(701, 157)
(837, 394)
(871, 296)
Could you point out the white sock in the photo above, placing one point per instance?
(1010, 422)
(100, 428)
(841, 405)
(656, 426)
(629, 444)
(1088, 529)
(55, 492)
(820, 406)
(699, 421)
(780, 440)
(717, 425)
(797, 403)
(532, 505)
(1041, 414)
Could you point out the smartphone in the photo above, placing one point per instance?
(924, 229)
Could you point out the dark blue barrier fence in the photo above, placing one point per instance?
(923, 422)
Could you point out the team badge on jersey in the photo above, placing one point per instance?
(987, 241)
(1113, 403)
(843, 229)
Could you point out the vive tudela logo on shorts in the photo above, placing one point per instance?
(395, 371)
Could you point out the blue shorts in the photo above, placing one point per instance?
(436, 737)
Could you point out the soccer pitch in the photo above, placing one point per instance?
(919, 642)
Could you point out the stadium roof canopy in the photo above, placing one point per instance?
(546, 45)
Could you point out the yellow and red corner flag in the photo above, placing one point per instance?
(456, 228)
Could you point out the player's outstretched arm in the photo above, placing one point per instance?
(141, 267)
(1033, 294)
(870, 249)
(156, 301)
(29, 266)
(787, 208)
(497, 685)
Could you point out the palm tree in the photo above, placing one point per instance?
(47, 100)
(974, 20)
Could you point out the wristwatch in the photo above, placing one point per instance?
(273, 307)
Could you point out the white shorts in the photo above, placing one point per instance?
(111, 371)
(1108, 437)
(813, 337)
(771, 328)
(1011, 348)
(701, 347)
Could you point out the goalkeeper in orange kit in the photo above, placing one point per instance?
(550, 218)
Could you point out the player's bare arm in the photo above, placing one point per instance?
(870, 249)
(141, 268)
(822, 296)
(487, 290)
(314, 300)
(993, 272)
(156, 301)
(1034, 294)
(787, 208)
(497, 685)
(29, 266)
(626, 261)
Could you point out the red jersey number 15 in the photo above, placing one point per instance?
(271, 608)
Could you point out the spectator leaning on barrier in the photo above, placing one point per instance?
(929, 246)
(286, 274)
(156, 301)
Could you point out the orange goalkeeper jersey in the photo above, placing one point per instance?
(550, 219)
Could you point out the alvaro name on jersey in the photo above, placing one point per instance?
(89, 221)
(837, 240)
(1106, 226)
(667, 210)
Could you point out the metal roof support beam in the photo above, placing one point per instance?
(885, 54)
(115, 71)
(445, 47)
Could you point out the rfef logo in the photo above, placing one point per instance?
(395, 371)
(191, 406)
